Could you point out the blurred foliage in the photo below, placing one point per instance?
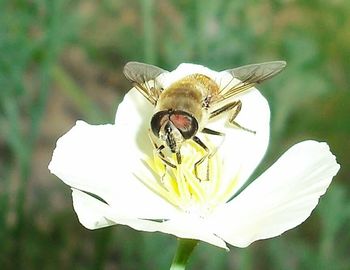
(61, 60)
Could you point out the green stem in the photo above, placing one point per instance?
(183, 253)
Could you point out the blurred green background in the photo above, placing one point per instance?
(62, 60)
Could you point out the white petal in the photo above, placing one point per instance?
(189, 227)
(183, 70)
(94, 214)
(133, 120)
(281, 198)
(91, 212)
(101, 160)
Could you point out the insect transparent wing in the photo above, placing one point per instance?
(141, 75)
(249, 76)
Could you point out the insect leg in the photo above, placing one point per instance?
(216, 133)
(158, 150)
(143, 90)
(162, 157)
(232, 121)
(236, 106)
(224, 108)
(199, 162)
(178, 157)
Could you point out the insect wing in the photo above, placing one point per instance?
(141, 75)
(249, 76)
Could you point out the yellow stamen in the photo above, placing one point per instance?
(181, 187)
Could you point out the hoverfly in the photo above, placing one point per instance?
(183, 109)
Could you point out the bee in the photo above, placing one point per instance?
(183, 108)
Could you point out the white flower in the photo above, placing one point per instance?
(116, 179)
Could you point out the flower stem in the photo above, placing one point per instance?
(183, 253)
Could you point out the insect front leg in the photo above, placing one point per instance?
(178, 157)
(158, 150)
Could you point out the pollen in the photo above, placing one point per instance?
(182, 188)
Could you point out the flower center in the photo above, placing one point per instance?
(184, 189)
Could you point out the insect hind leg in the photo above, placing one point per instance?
(235, 108)
(233, 116)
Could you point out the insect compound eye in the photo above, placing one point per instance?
(158, 120)
(185, 123)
